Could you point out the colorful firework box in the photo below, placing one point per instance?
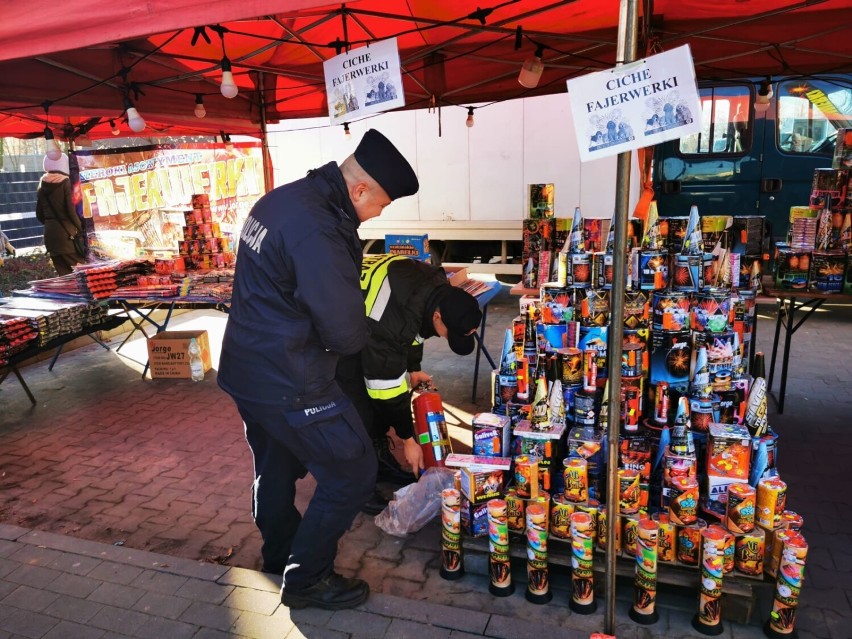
(482, 478)
(749, 235)
(715, 493)
(792, 267)
(542, 201)
(491, 435)
(676, 233)
(671, 352)
(715, 229)
(728, 451)
(474, 517)
(548, 445)
(414, 246)
(847, 284)
(826, 274)
(587, 443)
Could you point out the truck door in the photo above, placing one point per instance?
(718, 168)
(801, 124)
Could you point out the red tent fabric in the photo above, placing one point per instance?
(453, 53)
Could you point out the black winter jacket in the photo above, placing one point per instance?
(415, 289)
(297, 301)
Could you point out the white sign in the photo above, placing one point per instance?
(635, 105)
(363, 81)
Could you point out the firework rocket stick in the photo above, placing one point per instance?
(582, 576)
(538, 577)
(577, 240)
(499, 565)
(643, 611)
(452, 567)
(708, 619)
(651, 234)
(788, 587)
(693, 243)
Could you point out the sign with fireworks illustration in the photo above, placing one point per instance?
(133, 198)
(363, 81)
(635, 105)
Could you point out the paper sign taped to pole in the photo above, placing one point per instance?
(635, 105)
(363, 81)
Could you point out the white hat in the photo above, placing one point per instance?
(57, 165)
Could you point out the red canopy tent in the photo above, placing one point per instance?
(84, 58)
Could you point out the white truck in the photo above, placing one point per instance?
(473, 180)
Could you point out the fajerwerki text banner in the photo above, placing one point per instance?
(363, 81)
(635, 105)
(134, 198)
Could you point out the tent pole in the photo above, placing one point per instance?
(264, 139)
(628, 24)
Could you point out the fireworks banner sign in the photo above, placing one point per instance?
(363, 81)
(134, 198)
(635, 105)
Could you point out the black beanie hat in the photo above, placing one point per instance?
(386, 165)
(460, 314)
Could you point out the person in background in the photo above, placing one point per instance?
(6, 248)
(406, 303)
(296, 308)
(55, 209)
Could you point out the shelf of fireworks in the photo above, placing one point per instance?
(699, 490)
(817, 251)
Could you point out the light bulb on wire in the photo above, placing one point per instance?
(200, 111)
(532, 69)
(52, 151)
(346, 132)
(135, 121)
(469, 121)
(114, 127)
(228, 88)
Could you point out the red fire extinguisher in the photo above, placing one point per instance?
(430, 427)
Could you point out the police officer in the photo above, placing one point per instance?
(296, 308)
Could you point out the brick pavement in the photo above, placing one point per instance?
(107, 463)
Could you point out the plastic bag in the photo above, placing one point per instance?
(414, 505)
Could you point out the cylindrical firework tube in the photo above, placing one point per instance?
(788, 586)
(683, 503)
(775, 541)
(538, 578)
(666, 537)
(499, 564)
(582, 574)
(643, 611)
(739, 513)
(560, 517)
(601, 526)
(630, 534)
(771, 499)
(628, 491)
(750, 548)
(576, 478)
(515, 509)
(689, 542)
(708, 620)
(452, 566)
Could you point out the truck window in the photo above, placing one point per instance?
(726, 119)
(809, 114)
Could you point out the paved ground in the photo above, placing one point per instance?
(124, 510)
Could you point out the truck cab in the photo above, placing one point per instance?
(756, 153)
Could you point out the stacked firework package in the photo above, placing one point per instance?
(698, 484)
(203, 245)
(819, 242)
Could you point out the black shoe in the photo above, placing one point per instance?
(375, 504)
(332, 593)
(390, 471)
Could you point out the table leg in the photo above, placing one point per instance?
(788, 338)
(778, 320)
(14, 369)
(479, 347)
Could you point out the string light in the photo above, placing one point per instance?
(346, 131)
(52, 149)
(469, 121)
(114, 127)
(228, 88)
(227, 140)
(134, 120)
(532, 69)
(200, 111)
